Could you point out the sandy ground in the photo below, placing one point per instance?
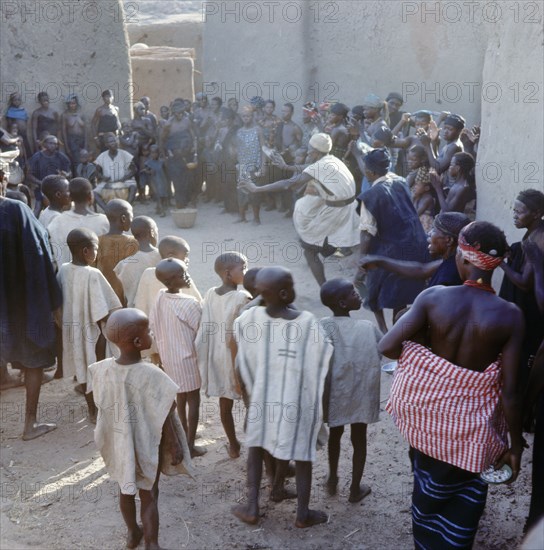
(56, 493)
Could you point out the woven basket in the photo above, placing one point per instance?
(184, 218)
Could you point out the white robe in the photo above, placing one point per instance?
(87, 297)
(133, 402)
(283, 365)
(129, 271)
(213, 343)
(62, 225)
(352, 389)
(314, 220)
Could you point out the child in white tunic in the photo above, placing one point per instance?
(352, 389)
(88, 299)
(283, 359)
(138, 433)
(215, 343)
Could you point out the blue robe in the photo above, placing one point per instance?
(29, 291)
(400, 237)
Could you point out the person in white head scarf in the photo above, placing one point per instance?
(325, 217)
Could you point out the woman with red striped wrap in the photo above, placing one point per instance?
(457, 404)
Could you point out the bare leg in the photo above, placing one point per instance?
(279, 492)
(181, 401)
(335, 435)
(305, 516)
(316, 266)
(100, 348)
(132, 193)
(99, 200)
(380, 319)
(127, 505)
(256, 214)
(33, 384)
(250, 513)
(90, 404)
(150, 514)
(225, 407)
(269, 466)
(193, 401)
(358, 439)
(58, 334)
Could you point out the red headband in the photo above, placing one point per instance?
(481, 260)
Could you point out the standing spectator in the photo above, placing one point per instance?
(47, 162)
(29, 294)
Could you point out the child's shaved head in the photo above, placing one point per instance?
(250, 279)
(334, 290)
(125, 325)
(80, 238)
(169, 269)
(228, 260)
(117, 208)
(142, 227)
(174, 247)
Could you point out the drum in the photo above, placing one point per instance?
(116, 190)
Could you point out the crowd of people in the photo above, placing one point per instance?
(104, 300)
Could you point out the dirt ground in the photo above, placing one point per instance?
(55, 492)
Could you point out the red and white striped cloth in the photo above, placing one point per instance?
(448, 412)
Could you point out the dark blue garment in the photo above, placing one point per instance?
(447, 274)
(400, 237)
(29, 291)
(447, 504)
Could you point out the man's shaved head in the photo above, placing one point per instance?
(80, 238)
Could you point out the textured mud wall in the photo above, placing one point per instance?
(163, 74)
(180, 32)
(62, 48)
(481, 59)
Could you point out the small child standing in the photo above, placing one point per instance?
(115, 246)
(154, 168)
(174, 320)
(88, 300)
(215, 344)
(129, 271)
(137, 433)
(56, 189)
(352, 389)
(283, 359)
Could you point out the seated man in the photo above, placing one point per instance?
(115, 170)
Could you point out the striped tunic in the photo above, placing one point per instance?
(448, 412)
(283, 365)
(174, 320)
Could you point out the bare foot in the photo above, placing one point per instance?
(134, 537)
(233, 450)
(38, 430)
(10, 382)
(282, 494)
(313, 517)
(256, 222)
(197, 450)
(331, 486)
(79, 389)
(359, 493)
(92, 417)
(240, 221)
(243, 514)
